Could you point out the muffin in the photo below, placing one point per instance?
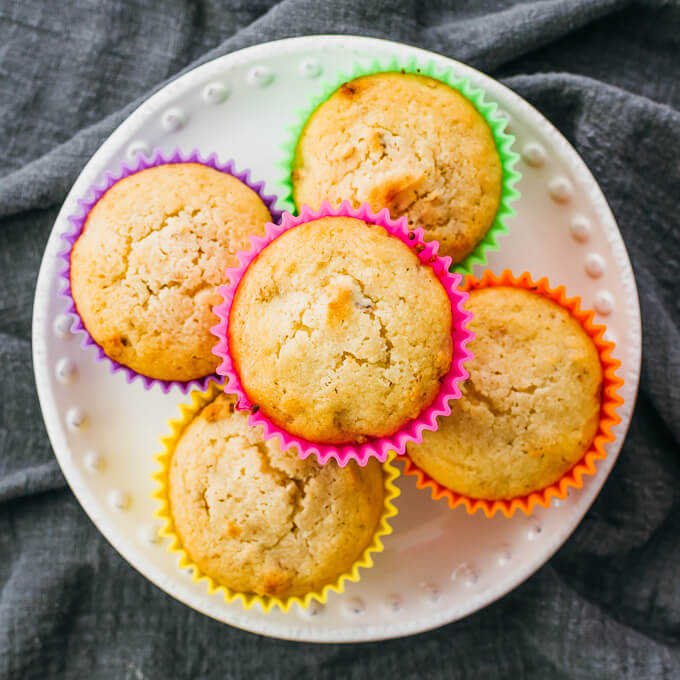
(407, 142)
(530, 408)
(261, 521)
(145, 268)
(339, 333)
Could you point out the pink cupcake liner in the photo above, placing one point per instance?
(378, 447)
(94, 193)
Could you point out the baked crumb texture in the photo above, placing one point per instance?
(541, 390)
(407, 142)
(145, 269)
(262, 522)
(339, 333)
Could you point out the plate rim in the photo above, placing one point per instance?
(348, 633)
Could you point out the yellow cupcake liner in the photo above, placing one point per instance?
(199, 399)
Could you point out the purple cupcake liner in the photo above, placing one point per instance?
(77, 222)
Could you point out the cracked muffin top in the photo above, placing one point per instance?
(530, 408)
(409, 143)
(145, 269)
(260, 520)
(339, 333)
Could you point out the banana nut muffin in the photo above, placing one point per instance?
(152, 251)
(259, 520)
(339, 333)
(530, 408)
(407, 142)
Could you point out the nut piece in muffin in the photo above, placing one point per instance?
(152, 252)
(409, 143)
(530, 408)
(339, 333)
(259, 520)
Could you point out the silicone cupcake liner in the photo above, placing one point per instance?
(95, 192)
(427, 420)
(477, 96)
(188, 411)
(608, 417)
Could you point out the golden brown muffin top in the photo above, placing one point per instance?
(145, 269)
(260, 520)
(530, 408)
(409, 143)
(339, 333)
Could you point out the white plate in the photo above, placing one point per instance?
(439, 565)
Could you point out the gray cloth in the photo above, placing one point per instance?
(607, 74)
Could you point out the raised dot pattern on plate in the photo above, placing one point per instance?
(137, 148)
(504, 114)
(259, 76)
(66, 371)
(313, 609)
(149, 534)
(604, 303)
(76, 418)
(393, 603)
(534, 528)
(594, 265)
(62, 326)
(504, 555)
(215, 93)
(310, 68)
(465, 574)
(355, 606)
(580, 229)
(93, 460)
(431, 593)
(119, 500)
(560, 189)
(534, 154)
(174, 119)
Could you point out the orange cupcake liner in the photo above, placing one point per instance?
(611, 400)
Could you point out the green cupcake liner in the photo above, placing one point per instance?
(488, 109)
